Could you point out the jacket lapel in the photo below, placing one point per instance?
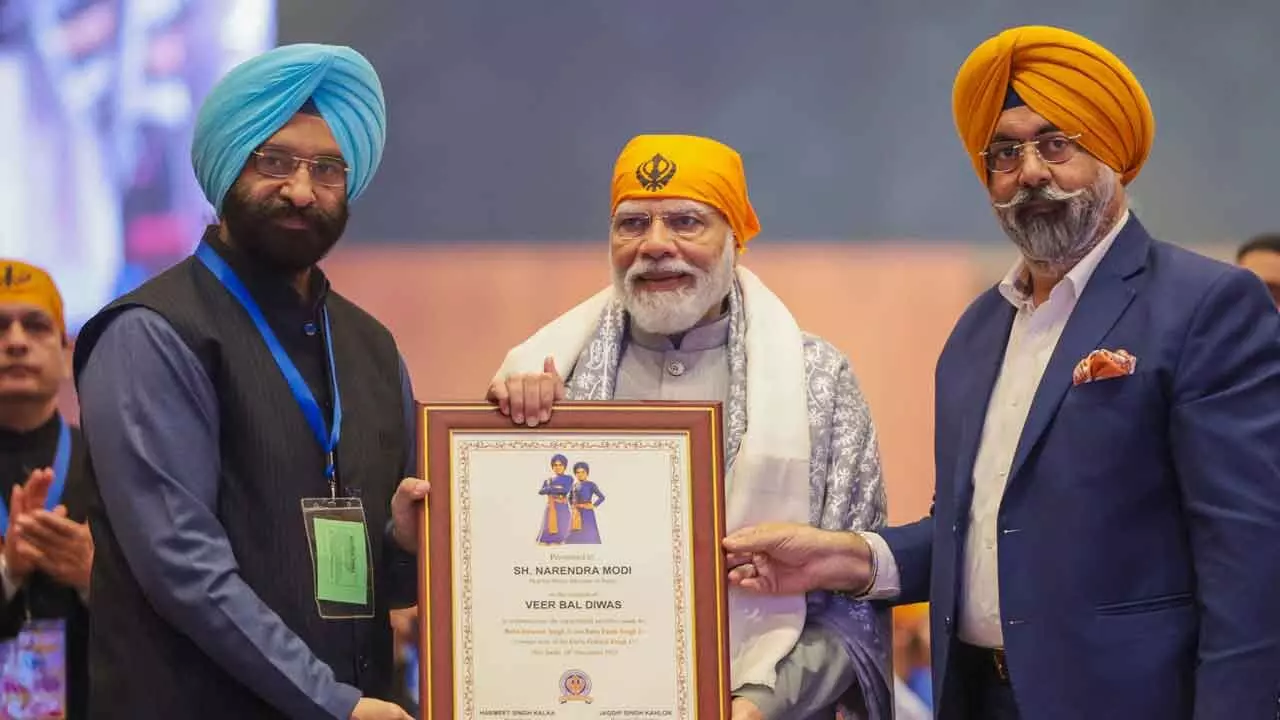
(1106, 296)
(986, 352)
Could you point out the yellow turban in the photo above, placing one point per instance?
(29, 285)
(1073, 82)
(687, 166)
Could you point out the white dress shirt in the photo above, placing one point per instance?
(1032, 338)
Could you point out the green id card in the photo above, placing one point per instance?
(342, 570)
(341, 557)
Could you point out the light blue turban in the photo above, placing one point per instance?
(253, 101)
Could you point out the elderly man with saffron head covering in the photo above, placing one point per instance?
(1102, 541)
(249, 429)
(684, 320)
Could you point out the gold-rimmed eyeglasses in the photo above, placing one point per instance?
(1006, 155)
(687, 224)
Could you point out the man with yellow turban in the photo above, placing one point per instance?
(249, 429)
(46, 551)
(684, 320)
(1102, 541)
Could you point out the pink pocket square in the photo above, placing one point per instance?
(1102, 365)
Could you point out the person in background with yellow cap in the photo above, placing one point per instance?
(913, 689)
(1102, 541)
(683, 320)
(46, 552)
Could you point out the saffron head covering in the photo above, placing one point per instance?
(253, 101)
(687, 166)
(1073, 82)
(28, 284)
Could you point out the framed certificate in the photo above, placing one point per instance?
(573, 570)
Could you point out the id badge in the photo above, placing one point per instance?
(34, 671)
(341, 559)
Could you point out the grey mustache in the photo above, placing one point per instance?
(1045, 193)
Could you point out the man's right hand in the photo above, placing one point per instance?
(370, 709)
(791, 558)
(527, 397)
(25, 499)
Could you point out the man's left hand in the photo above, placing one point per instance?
(744, 709)
(59, 547)
(406, 512)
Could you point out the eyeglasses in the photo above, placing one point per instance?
(687, 224)
(1006, 156)
(277, 163)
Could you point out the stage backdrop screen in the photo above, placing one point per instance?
(97, 103)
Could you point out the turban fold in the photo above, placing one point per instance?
(1073, 82)
(687, 166)
(29, 285)
(253, 101)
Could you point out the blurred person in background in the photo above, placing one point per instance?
(1261, 256)
(58, 93)
(47, 551)
(913, 690)
(99, 97)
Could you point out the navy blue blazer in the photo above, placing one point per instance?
(1139, 534)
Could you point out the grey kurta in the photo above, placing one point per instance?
(844, 643)
(654, 367)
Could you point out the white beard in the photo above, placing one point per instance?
(1059, 242)
(670, 312)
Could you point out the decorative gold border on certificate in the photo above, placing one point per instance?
(425, 647)
(677, 451)
(720, 478)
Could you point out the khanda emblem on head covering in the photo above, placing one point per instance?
(655, 173)
(14, 276)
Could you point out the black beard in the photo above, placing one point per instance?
(255, 232)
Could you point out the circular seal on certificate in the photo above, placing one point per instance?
(575, 686)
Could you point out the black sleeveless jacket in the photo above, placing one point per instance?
(143, 667)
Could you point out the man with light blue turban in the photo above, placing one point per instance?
(249, 429)
(257, 98)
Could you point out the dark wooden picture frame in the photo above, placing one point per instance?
(701, 423)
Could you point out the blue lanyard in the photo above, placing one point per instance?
(327, 437)
(61, 461)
